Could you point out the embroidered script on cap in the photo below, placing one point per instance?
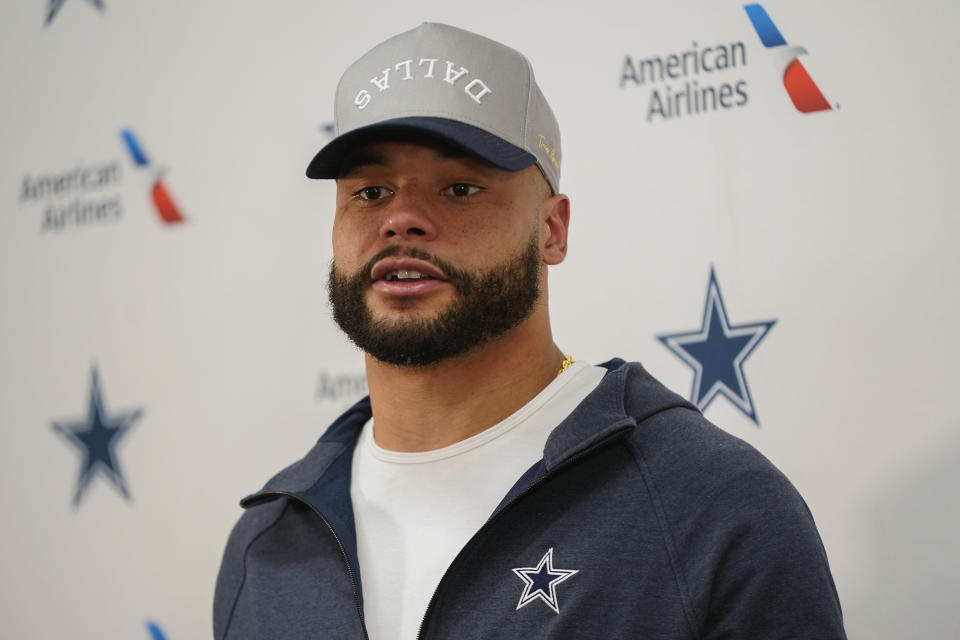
(424, 70)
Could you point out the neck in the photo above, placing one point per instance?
(425, 408)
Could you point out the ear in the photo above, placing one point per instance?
(555, 216)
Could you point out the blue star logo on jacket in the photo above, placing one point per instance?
(95, 439)
(540, 582)
(716, 353)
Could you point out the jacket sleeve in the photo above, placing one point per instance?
(232, 574)
(746, 548)
(765, 564)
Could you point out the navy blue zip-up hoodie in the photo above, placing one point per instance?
(676, 530)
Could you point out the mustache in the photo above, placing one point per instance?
(459, 278)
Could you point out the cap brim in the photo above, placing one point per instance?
(474, 141)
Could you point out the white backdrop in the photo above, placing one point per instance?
(838, 224)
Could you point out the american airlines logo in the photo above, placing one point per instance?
(707, 78)
(167, 210)
(801, 88)
(687, 82)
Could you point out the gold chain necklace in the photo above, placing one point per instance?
(567, 361)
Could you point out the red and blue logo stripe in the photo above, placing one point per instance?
(166, 208)
(801, 88)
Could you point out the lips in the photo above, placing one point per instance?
(405, 269)
(406, 276)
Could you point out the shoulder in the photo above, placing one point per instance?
(696, 469)
(263, 510)
(683, 451)
(743, 541)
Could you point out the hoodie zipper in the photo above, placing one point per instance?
(610, 438)
(346, 559)
(343, 550)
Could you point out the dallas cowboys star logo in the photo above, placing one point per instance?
(95, 438)
(716, 353)
(540, 582)
(53, 6)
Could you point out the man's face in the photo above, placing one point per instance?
(434, 253)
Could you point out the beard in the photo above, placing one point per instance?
(485, 306)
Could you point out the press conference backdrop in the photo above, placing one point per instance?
(763, 214)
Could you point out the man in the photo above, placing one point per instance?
(490, 486)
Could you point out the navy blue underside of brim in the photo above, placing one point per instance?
(474, 141)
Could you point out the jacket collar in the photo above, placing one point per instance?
(597, 419)
(304, 474)
(626, 396)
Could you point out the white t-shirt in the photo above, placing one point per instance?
(415, 511)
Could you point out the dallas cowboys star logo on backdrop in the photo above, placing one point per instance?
(716, 353)
(540, 582)
(53, 6)
(95, 438)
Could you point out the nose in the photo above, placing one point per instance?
(408, 217)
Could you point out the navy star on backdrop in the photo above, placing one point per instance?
(95, 438)
(53, 6)
(540, 582)
(716, 353)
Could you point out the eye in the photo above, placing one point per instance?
(375, 192)
(462, 190)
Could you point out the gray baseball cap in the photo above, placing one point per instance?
(468, 90)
